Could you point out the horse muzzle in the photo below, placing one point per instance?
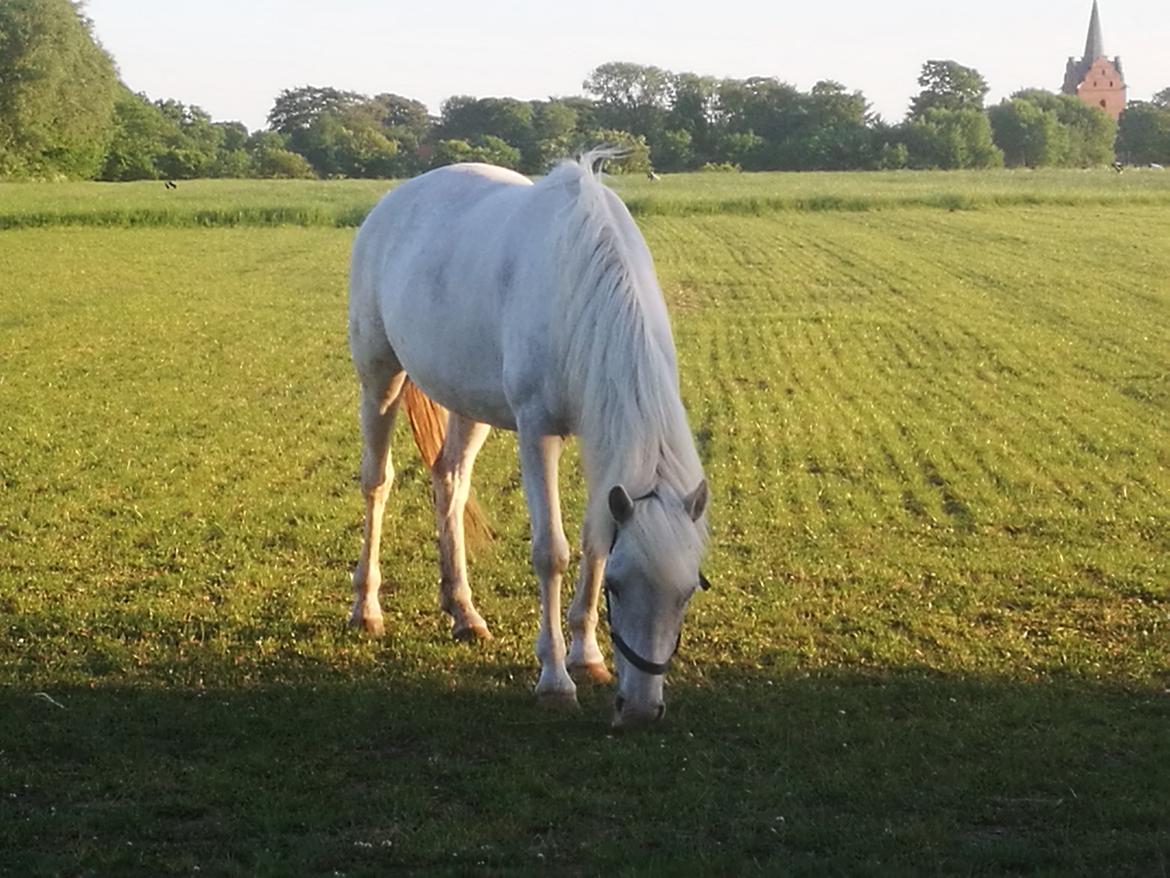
(631, 715)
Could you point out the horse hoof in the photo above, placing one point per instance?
(373, 627)
(593, 672)
(471, 633)
(561, 702)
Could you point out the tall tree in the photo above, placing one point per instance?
(1029, 135)
(694, 111)
(554, 124)
(948, 85)
(141, 133)
(402, 114)
(465, 118)
(1084, 134)
(57, 91)
(295, 109)
(1143, 135)
(951, 139)
(630, 97)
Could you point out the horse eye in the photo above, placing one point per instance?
(704, 583)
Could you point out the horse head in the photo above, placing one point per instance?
(651, 574)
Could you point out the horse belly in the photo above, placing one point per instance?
(452, 351)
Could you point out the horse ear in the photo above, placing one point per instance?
(696, 501)
(621, 507)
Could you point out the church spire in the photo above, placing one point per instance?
(1095, 44)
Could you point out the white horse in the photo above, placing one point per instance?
(534, 308)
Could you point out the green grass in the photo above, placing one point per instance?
(939, 450)
(344, 203)
(765, 194)
(341, 203)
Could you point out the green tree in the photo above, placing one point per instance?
(635, 157)
(951, 139)
(466, 118)
(1052, 129)
(674, 151)
(695, 110)
(140, 136)
(350, 142)
(407, 123)
(57, 91)
(1091, 132)
(761, 105)
(1028, 135)
(174, 140)
(450, 152)
(494, 150)
(893, 156)
(554, 129)
(232, 164)
(739, 148)
(948, 85)
(233, 135)
(271, 158)
(295, 109)
(630, 97)
(280, 163)
(192, 143)
(1143, 135)
(834, 134)
(394, 112)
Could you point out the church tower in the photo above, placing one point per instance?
(1095, 79)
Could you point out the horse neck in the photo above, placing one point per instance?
(636, 434)
(617, 354)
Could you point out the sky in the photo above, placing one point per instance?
(233, 57)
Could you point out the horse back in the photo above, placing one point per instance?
(434, 268)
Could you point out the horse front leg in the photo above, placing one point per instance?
(585, 656)
(539, 456)
(380, 397)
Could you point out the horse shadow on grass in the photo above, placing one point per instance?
(893, 772)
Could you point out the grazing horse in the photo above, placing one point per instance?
(534, 308)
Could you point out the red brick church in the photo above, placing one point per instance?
(1095, 79)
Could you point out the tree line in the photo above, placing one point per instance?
(65, 113)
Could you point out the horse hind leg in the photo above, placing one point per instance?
(451, 483)
(381, 393)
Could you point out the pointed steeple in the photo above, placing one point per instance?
(1095, 44)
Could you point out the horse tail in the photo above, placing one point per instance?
(428, 424)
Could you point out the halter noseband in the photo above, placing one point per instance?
(658, 669)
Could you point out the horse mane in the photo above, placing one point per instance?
(616, 347)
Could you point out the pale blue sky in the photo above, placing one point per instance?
(232, 58)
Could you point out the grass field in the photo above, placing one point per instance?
(938, 443)
(343, 203)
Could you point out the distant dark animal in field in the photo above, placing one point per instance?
(171, 184)
(1118, 166)
(650, 175)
